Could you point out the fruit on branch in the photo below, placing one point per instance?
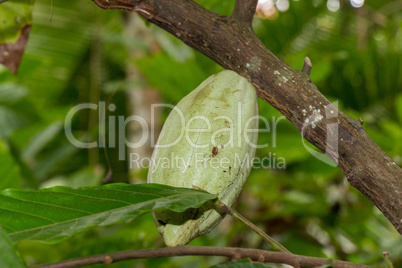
(208, 141)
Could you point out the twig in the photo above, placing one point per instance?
(230, 211)
(253, 254)
(387, 259)
(361, 121)
(307, 65)
(244, 11)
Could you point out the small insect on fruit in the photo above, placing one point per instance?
(208, 141)
(214, 151)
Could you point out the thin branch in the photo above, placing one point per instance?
(340, 137)
(387, 259)
(307, 65)
(237, 253)
(361, 121)
(230, 211)
(2, 1)
(244, 11)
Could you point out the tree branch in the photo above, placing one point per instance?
(233, 45)
(233, 253)
(244, 11)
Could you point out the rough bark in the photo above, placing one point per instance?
(231, 42)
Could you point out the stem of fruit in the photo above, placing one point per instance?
(387, 259)
(230, 211)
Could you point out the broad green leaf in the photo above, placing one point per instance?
(8, 256)
(59, 212)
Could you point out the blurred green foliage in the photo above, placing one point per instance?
(81, 56)
(8, 255)
(14, 16)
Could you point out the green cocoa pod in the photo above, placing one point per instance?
(208, 141)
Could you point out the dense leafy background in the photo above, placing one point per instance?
(82, 54)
